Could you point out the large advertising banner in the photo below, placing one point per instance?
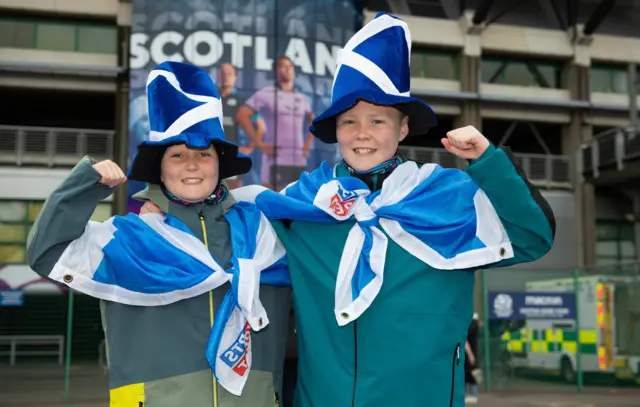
(272, 60)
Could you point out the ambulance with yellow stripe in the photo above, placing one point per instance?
(608, 329)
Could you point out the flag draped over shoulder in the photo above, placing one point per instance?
(438, 215)
(153, 260)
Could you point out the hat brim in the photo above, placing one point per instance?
(421, 116)
(146, 167)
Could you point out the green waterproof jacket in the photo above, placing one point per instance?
(157, 354)
(407, 349)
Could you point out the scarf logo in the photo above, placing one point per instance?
(342, 201)
(236, 355)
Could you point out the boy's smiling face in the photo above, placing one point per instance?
(368, 135)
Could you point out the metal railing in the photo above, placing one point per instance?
(611, 148)
(46, 146)
(545, 171)
(42, 146)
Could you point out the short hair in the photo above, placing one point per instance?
(235, 71)
(276, 62)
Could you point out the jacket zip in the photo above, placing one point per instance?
(211, 314)
(355, 361)
(454, 363)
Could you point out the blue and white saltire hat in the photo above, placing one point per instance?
(184, 107)
(374, 67)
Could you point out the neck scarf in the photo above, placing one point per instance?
(383, 168)
(438, 215)
(153, 260)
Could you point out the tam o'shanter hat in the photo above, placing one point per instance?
(374, 67)
(184, 108)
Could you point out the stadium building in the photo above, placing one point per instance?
(556, 81)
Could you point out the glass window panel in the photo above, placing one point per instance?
(102, 212)
(608, 79)
(517, 74)
(34, 210)
(17, 34)
(607, 249)
(13, 211)
(489, 70)
(12, 233)
(627, 232)
(599, 80)
(12, 254)
(628, 249)
(619, 81)
(605, 261)
(101, 40)
(548, 74)
(606, 231)
(57, 37)
(417, 64)
(440, 66)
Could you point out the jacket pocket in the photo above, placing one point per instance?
(455, 363)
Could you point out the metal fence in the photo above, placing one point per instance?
(580, 328)
(560, 330)
(544, 171)
(610, 149)
(44, 146)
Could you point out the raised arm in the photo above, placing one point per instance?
(67, 211)
(525, 214)
(523, 211)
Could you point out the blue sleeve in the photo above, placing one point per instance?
(525, 214)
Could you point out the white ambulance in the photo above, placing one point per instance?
(608, 310)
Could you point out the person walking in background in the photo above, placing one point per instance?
(231, 101)
(471, 362)
(287, 113)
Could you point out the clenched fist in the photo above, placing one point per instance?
(466, 142)
(111, 174)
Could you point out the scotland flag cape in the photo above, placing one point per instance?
(153, 260)
(438, 215)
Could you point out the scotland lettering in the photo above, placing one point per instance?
(206, 48)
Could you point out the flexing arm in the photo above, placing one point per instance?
(525, 214)
(67, 211)
(523, 211)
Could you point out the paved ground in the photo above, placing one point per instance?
(603, 398)
(30, 386)
(43, 386)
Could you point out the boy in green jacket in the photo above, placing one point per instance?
(382, 250)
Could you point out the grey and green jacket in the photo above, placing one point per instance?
(157, 354)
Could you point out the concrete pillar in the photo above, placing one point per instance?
(576, 133)
(121, 140)
(470, 62)
(633, 96)
(469, 78)
(636, 223)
